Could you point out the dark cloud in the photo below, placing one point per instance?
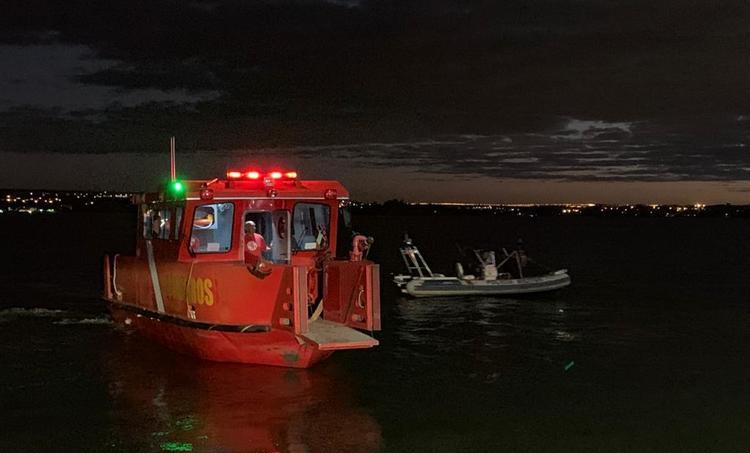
(575, 151)
(660, 87)
(485, 60)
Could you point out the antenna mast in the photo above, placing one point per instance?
(173, 166)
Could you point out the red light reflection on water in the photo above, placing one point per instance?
(177, 403)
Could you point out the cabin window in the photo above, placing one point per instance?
(212, 228)
(177, 221)
(274, 227)
(161, 223)
(146, 216)
(156, 223)
(344, 232)
(310, 226)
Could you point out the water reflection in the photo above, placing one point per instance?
(173, 403)
(448, 320)
(484, 336)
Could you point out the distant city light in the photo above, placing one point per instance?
(27, 202)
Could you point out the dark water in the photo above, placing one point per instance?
(648, 351)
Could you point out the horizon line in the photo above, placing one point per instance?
(575, 204)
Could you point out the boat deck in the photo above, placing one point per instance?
(331, 336)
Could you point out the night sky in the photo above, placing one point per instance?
(496, 101)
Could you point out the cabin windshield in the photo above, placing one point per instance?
(274, 227)
(311, 226)
(212, 228)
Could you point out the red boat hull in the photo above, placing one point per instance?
(275, 347)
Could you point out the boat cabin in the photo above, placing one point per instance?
(298, 220)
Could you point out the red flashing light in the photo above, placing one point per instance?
(267, 177)
(330, 194)
(207, 194)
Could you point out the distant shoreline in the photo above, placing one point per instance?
(44, 201)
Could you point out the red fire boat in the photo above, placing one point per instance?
(245, 269)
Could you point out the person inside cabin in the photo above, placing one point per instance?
(165, 227)
(255, 245)
(156, 225)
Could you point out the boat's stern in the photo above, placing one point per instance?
(350, 306)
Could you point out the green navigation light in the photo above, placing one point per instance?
(177, 187)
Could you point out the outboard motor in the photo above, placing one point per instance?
(459, 271)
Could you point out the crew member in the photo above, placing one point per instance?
(255, 245)
(156, 225)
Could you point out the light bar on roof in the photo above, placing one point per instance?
(254, 175)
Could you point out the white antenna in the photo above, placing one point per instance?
(173, 165)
